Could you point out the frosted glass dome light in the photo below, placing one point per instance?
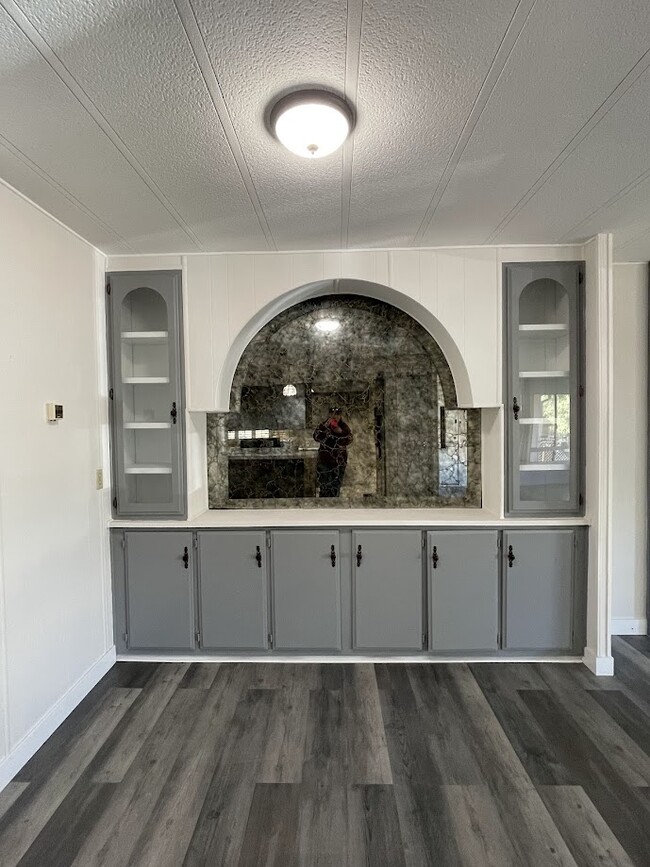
(312, 124)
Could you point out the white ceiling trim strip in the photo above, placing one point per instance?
(198, 46)
(620, 90)
(49, 55)
(515, 27)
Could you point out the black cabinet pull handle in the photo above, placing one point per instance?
(516, 409)
(174, 412)
(359, 555)
(333, 556)
(258, 556)
(511, 557)
(186, 558)
(435, 557)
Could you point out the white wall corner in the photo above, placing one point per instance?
(601, 666)
(629, 626)
(27, 746)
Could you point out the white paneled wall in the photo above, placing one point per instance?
(630, 410)
(226, 293)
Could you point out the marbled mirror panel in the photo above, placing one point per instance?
(340, 401)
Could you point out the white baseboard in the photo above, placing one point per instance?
(52, 719)
(602, 666)
(629, 626)
(331, 658)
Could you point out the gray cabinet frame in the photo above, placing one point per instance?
(118, 285)
(516, 276)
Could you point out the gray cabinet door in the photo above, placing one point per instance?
(538, 589)
(160, 589)
(147, 405)
(464, 589)
(233, 589)
(544, 387)
(387, 589)
(306, 589)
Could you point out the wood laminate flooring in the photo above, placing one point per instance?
(253, 765)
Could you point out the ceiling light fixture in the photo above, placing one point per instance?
(312, 123)
(327, 326)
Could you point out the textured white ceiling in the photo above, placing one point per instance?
(141, 124)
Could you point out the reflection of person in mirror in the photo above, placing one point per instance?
(334, 436)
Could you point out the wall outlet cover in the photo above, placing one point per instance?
(99, 479)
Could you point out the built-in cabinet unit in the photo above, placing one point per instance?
(146, 393)
(544, 387)
(306, 580)
(233, 590)
(465, 591)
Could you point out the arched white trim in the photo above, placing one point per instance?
(349, 287)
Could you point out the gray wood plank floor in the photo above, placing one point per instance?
(285, 765)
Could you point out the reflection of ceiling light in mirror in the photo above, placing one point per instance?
(290, 391)
(327, 326)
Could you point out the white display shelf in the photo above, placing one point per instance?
(547, 329)
(544, 374)
(148, 470)
(145, 380)
(539, 468)
(147, 425)
(145, 336)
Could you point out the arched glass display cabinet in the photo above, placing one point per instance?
(544, 387)
(146, 393)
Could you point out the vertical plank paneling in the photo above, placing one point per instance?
(481, 343)
(272, 277)
(241, 292)
(198, 352)
(219, 318)
(429, 280)
(451, 294)
(404, 269)
(306, 268)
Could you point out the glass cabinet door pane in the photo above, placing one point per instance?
(543, 379)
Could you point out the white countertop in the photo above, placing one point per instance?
(278, 518)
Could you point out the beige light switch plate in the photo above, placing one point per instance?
(99, 479)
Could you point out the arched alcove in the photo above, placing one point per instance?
(362, 288)
(343, 399)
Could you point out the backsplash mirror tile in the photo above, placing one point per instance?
(340, 401)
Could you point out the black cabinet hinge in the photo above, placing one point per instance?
(581, 277)
(425, 640)
(197, 636)
(111, 394)
(581, 500)
(581, 391)
(108, 288)
(115, 502)
(270, 639)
